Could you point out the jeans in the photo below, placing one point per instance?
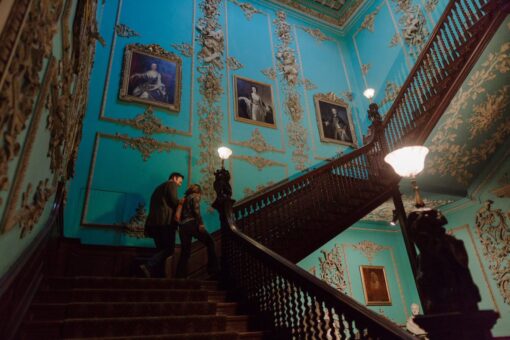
(164, 238)
(187, 231)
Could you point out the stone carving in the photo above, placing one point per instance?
(332, 269)
(270, 73)
(289, 71)
(395, 40)
(184, 48)
(365, 68)
(32, 207)
(317, 34)
(125, 31)
(234, 64)
(247, 8)
(257, 142)
(412, 24)
(259, 162)
(210, 67)
(147, 122)
(446, 285)
(390, 93)
(145, 145)
(369, 21)
(494, 234)
(369, 249)
(308, 85)
(21, 62)
(136, 225)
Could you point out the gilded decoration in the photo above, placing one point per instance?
(248, 191)
(32, 206)
(365, 68)
(270, 73)
(234, 64)
(135, 227)
(395, 40)
(259, 162)
(391, 91)
(210, 67)
(369, 21)
(247, 9)
(369, 249)
(308, 85)
(316, 34)
(449, 154)
(184, 48)
(494, 234)
(145, 145)
(347, 95)
(147, 122)
(332, 269)
(26, 43)
(123, 30)
(412, 24)
(288, 69)
(257, 142)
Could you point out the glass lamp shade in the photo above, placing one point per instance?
(408, 161)
(369, 93)
(224, 152)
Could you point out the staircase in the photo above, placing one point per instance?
(133, 308)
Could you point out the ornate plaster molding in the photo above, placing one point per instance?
(234, 64)
(308, 85)
(369, 21)
(494, 235)
(413, 25)
(32, 206)
(347, 95)
(184, 48)
(123, 30)
(369, 249)
(332, 269)
(248, 9)
(147, 122)
(316, 33)
(365, 68)
(145, 145)
(390, 93)
(270, 73)
(395, 40)
(259, 162)
(135, 227)
(430, 5)
(257, 142)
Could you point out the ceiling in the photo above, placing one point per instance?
(475, 125)
(336, 12)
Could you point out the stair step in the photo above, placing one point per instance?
(226, 308)
(101, 327)
(92, 282)
(216, 296)
(127, 295)
(56, 311)
(194, 336)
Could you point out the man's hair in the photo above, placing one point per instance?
(176, 174)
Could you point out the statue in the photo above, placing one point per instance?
(373, 113)
(443, 274)
(411, 326)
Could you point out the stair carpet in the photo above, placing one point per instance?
(133, 308)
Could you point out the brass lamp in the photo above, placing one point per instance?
(408, 162)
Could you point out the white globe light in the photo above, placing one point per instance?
(224, 152)
(369, 93)
(408, 161)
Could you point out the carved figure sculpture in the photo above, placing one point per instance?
(411, 326)
(373, 113)
(443, 273)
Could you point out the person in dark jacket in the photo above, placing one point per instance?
(160, 224)
(192, 225)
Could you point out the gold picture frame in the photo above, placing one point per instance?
(246, 92)
(151, 75)
(334, 120)
(375, 286)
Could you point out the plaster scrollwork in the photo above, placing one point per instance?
(234, 64)
(145, 145)
(494, 234)
(32, 206)
(489, 111)
(19, 76)
(135, 227)
(308, 85)
(332, 268)
(390, 93)
(365, 68)
(147, 122)
(347, 95)
(395, 40)
(369, 249)
(289, 71)
(248, 9)
(412, 24)
(257, 142)
(316, 33)
(248, 191)
(123, 30)
(430, 5)
(210, 67)
(270, 73)
(184, 48)
(369, 21)
(259, 162)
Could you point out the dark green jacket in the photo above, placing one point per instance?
(164, 201)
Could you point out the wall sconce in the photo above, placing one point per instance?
(369, 93)
(408, 162)
(224, 154)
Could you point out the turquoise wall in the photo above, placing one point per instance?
(386, 245)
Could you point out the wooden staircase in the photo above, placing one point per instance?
(133, 308)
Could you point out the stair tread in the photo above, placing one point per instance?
(205, 335)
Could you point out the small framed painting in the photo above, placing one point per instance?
(254, 102)
(334, 120)
(375, 286)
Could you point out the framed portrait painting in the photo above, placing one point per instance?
(375, 286)
(151, 75)
(334, 120)
(253, 102)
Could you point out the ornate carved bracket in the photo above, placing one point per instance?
(247, 8)
(145, 145)
(147, 122)
(369, 249)
(257, 142)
